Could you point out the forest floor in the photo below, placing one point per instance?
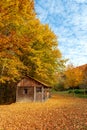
(57, 113)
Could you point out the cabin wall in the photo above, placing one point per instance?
(29, 94)
(25, 94)
(43, 94)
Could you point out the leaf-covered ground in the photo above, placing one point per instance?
(58, 113)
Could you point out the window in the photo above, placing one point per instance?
(25, 91)
(38, 89)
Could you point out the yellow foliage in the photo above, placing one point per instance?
(26, 43)
(57, 113)
(73, 76)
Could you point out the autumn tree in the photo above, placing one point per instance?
(12, 28)
(72, 77)
(84, 78)
(27, 47)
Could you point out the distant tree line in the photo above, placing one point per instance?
(73, 78)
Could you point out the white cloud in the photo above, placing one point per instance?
(81, 1)
(69, 21)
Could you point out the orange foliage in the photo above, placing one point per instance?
(32, 44)
(73, 77)
(58, 113)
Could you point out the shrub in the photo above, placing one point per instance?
(77, 91)
(70, 91)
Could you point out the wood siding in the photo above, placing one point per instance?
(22, 96)
(29, 89)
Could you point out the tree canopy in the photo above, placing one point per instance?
(27, 47)
(72, 77)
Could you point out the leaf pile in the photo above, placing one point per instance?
(58, 113)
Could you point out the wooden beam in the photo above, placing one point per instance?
(42, 94)
(34, 93)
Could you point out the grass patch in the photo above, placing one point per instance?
(70, 92)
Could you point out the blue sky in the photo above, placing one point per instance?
(68, 20)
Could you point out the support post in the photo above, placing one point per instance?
(42, 94)
(34, 93)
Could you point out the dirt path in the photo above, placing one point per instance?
(58, 113)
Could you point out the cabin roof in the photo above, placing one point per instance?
(36, 81)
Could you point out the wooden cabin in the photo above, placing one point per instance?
(30, 89)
